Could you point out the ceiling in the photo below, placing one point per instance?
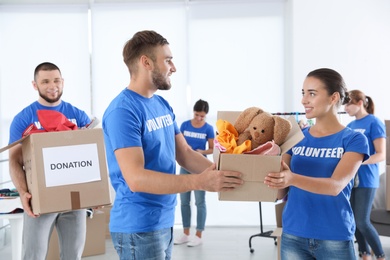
(15, 2)
(26, 2)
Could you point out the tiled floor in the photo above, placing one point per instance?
(219, 243)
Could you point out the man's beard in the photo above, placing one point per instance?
(159, 81)
(50, 100)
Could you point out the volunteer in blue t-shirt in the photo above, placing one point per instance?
(197, 133)
(142, 143)
(362, 108)
(318, 222)
(37, 229)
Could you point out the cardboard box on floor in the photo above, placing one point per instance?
(95, 242)
(65, 170)
(107, 212)
(278, 231)
(253, 167)
(387, 125)
(387, 187)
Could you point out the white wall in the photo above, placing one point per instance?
(352, 37)
(234, 54)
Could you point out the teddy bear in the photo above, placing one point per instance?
(260, 127)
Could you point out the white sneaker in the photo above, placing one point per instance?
(195, 241)
(183, 239)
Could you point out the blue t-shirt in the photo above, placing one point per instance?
(29, 116)
(132, 120)
(197, 138)
(317, 216)
(372, 128)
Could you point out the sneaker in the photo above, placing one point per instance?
(183, 239)
(195, 241)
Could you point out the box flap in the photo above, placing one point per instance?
(5, 148)
(216, 154)
(294, 137)
(230, 116)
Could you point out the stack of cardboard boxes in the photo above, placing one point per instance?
(278, 231)
(107, 210)
(95, 242)
(387, 124)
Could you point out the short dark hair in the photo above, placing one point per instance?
(201, 106)
(142, 43)
(332, 80)
(48, 66)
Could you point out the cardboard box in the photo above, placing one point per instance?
(388, 150)
(278, 231)
(387, 187)
(253, 167)
(65, 170)
(107, 210)
(387, 125)
(95, 242)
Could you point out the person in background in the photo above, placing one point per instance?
(142, 143)
(317, 173)
(362, 108)
(37, 229)
(197, 133)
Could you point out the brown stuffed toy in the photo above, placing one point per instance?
(260, 127)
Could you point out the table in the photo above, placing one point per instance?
(16, 223)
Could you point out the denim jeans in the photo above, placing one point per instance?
(298, 248)
(71, 229)
(155, 245)
(366, 234)
(200, 202)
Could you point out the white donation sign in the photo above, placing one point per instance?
(73, 164)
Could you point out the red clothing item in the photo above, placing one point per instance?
(51, 121)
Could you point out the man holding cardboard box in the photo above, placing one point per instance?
(142, 142)
(71, 225)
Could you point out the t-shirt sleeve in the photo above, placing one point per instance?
(83, 119)
(16, 129)
(359, 144)
(378, 129)
(122, 129)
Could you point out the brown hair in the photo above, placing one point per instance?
(142, 43)
(356, 95)
(332, 80)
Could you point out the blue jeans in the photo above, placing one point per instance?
(366, 234)
(155, 245)
(71, 229)
(200, 202)
(298, 248)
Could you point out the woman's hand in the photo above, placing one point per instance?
(279, 180)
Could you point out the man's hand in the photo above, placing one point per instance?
(214, 180)
(25, 198)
